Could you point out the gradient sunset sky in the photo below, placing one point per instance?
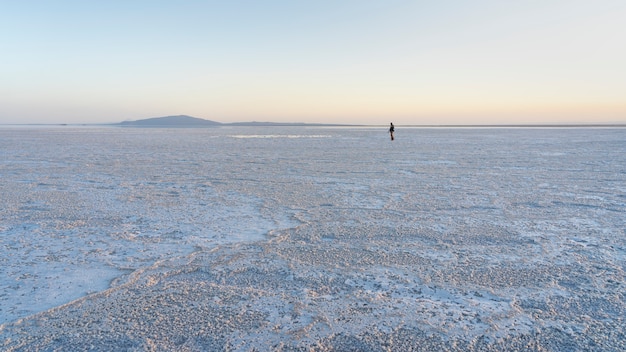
(336, 61)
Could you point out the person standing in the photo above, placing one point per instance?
(391, 130)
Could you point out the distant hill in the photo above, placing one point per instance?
(189, 121)
(171, 121)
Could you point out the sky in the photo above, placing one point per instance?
(319, 61)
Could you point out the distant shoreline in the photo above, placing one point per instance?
(186, 121)
(279, 124)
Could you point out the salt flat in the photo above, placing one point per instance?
(313, 239)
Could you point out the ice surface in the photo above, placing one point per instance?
(329, 237)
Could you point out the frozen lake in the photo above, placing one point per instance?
(328, 238)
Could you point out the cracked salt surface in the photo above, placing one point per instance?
(312, 238)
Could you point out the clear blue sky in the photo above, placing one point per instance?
(350, 61)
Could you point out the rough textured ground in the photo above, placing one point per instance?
(482, 241)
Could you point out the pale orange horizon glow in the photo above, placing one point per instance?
(354, 62)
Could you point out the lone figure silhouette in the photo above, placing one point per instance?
(391, 129)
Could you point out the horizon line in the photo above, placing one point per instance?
(309, 124)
